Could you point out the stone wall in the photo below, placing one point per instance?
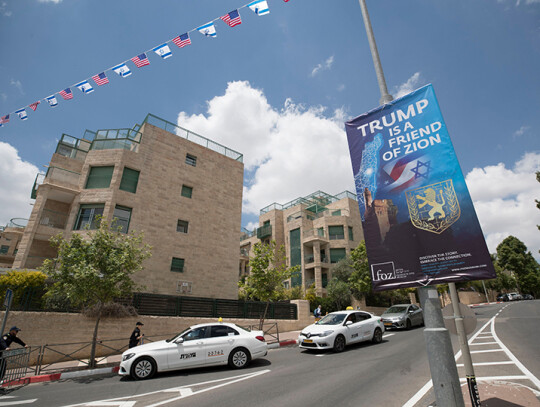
(68, 332)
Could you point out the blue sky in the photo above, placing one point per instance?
(278, 88)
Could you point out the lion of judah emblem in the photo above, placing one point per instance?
(434, 207)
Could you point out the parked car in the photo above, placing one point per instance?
(197, 346)
(528, 297)
(503, 297)
(403, 316)
(339, 329)
(514, 296)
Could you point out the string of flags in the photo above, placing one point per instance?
(232, 19)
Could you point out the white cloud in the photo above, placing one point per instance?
(324, 66)
(505, 201)
(413, 83)
(3, 96)
(252, 226)
(18, 85)
(292, 152)
(521, 131)
(4, 11)
(15, 184)
(341, 87)
(50, 1)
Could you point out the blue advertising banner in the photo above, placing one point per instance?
(419, 222)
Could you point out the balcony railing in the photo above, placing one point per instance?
(264, 231)
(125, 139)
(17, 223)
(309, 259)
(57, 175)
(53, 219)
(73, 147)
(317, 232)
(244, 252)
(194, 137)
(246, 234)
(316, 201)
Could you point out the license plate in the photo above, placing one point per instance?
(308, 340)
(387, 324)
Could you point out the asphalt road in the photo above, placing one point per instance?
(388, 374)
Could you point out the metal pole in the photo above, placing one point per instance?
(464, 345)
(442, 364)
(485, 291)
(385, 96)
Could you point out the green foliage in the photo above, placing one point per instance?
(512, 255)
(327, 305)
(268, 270)
(294, 293)
(311, 294)
(360, 280)
(22, 283)
(340, 293)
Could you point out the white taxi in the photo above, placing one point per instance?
(199, 345)
(339, 329)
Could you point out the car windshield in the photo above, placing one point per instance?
(332, 319)
(178, 335)
(395, 310)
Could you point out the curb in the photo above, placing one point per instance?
(59, 376)
(486, 303)
(276, 345)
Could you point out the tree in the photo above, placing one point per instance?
(24, 283)
(94, 271)
(360, 279)
(339, 292)
(512, 255)
(268, 271)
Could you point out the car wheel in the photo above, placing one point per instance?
(239, 358)
(377, 336)
(339, 344)
(143, 368)
(408, 325)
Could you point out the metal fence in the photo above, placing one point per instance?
(14, 365)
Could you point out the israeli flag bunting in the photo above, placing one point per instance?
(22, 114)
(122, 70)
(52, 100)
(208, 30)
(163, 51)
(260, 7)
(85, 87)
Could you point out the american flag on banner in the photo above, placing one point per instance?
(100, 79)
(141, 60)
(33, 106)
(4, 119)
(66, 94)
(405, 172)
(182, 40)
(232, 18)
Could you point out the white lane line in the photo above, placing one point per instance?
(506, 362)
(16, 403)
(488, 378)
(487, 351)
(387, 335)
(481, 343)
(319, 355)
(520, 365)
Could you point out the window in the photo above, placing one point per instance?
(4, 249)
(122, 215)
(336, 213)
(337, 254)
(197, 333)
(362, 316)
(222, 330)
(324, 280)
(266, 223)
(191, 160)
(187, 191)
(99, 177)
(182, 226)
(336, 232)
(177, 265)
(351, 236)
(87, 216)
(130, 179)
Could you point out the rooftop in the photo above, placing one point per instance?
(315, 202)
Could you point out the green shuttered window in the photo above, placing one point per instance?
(336, 232)
(296, 255)
(130, 179)
(88, 216)
(187, 191)
(99, 177)
(351, 236)
(337, 254)
(177, 265)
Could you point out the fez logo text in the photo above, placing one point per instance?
(383, 271)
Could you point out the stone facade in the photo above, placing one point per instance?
(10, 237)
(323, 229)
(195, 182)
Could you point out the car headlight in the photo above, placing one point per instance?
(326, 333)
(127, 357)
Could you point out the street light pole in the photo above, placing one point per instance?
(385, 96)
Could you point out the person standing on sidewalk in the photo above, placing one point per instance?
(317, 313)
(135, 335)
(11, 337)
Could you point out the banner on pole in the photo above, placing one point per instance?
(419, 221)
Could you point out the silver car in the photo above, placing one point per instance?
(403, 316)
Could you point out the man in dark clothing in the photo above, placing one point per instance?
(11, 337)
(135, 335)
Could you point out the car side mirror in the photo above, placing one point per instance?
(348, 323)
(179, 341)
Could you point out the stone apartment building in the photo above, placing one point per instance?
(10, 237)
(316, 230)
(179, 188)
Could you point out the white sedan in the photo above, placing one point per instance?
(199, 345)
(338, 329)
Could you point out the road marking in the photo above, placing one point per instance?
(488, 378)
(505, 362)
(112, 403)
(487, 351)
(481, 343)
(15, 403)
(387, 335)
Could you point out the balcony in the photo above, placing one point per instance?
(53, 219)
(246, 234)
(264, 231)
(314, 235)
(72, 147)
(244, 252)
(125, 139)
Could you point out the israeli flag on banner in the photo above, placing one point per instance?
(260, 7)
(22, 114)
(85, 87)
(208, 30)
(163, 51)
(52, 100)
(122, 70)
